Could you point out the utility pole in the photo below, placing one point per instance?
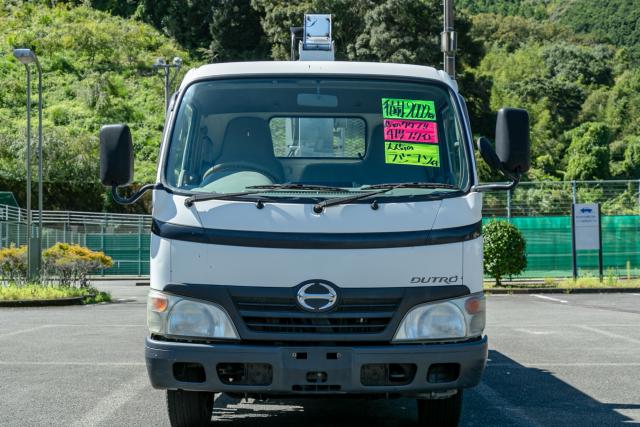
(160, 63)
(449, 40)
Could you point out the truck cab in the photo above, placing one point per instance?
(317, 231)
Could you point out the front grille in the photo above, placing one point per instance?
(282, 315)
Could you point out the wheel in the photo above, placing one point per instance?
(189, 408)
(440, 412)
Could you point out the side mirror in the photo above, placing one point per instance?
(116, 155)
(511, 156)
(512, 140)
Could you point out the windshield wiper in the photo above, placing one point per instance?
(410, 185)
(189, 201)
(257, 189)
(379, 189)
(292, 186)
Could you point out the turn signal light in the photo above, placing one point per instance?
(473, 305)
(158, 303)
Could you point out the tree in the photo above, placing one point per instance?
(625, 158)
(623, 105)
(610, 21)
(579, 64)
(403, 32)
(526, 8)
(588, 153)
(409, 33)
(504, 250)
(512, 32)
(236, 34)
(186, 21)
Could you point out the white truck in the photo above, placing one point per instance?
(317, 231)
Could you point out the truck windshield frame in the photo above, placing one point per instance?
(252, 175)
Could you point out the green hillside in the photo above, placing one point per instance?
(96, 71)
(608, 21)
(573, 64)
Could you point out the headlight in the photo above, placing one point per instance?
(182, 317)
(449, 320)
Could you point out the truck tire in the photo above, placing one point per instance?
(440, 412)
(189, 408)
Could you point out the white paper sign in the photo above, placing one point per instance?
(587, 225)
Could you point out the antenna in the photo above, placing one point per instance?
(449, 41)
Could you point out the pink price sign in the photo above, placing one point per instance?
(410, 131)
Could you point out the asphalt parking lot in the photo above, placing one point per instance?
(554, 360)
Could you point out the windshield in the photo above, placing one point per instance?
(230, 136)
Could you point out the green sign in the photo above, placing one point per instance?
(400, 153)
(412, 109)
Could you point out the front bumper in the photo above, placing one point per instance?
(290, 375)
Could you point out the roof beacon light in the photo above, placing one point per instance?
(316, 44)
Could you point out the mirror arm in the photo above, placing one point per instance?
(134, 197)
(506, 186)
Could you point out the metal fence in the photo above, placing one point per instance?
(123, 237)
(541, 210)
(555, 198)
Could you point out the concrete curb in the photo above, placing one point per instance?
(44, 302)
(506, 291)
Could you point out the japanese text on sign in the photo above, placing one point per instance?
(410, 131)
(412, 154)
(413, 109)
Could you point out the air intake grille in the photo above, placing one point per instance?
(282, 315)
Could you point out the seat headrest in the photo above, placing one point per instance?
(248, 140)
(247, 137)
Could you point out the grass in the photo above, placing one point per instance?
(594, 282)
(608, 281)
(13, 292)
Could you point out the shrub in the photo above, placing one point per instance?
(504, 250)
(71, 264)
(13, 264)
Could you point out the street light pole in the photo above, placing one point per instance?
(168, 81)
(34, 244)
(449, 40)
(28, 155)
(40, 160)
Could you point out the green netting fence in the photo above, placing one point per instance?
(549, 247)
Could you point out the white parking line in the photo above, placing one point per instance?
(507, 409)
(527, 365)
(608, 334)
(550, 298)
(534, 332)
(556, 327)
(110, 404)
(23, 331)
(98, 325)
(20, 363)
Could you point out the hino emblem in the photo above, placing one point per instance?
(317, 296)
